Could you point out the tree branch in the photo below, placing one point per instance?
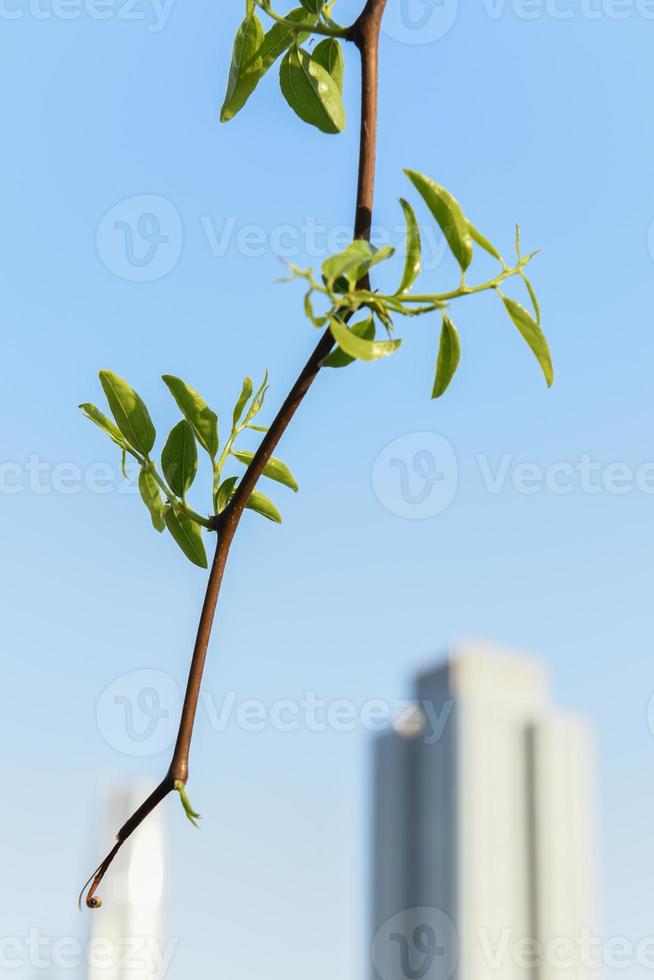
(365, 34)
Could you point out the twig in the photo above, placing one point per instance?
(365, 34)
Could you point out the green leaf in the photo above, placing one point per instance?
(337, 358)
(447, 212)
(246, 68)
(449, 355)
(329, 54)
(129, 411)
(262, 505)
(279, 38)
(257, 401)
(318, 321)
(101, 420)
(483, 242)
(186, 803)
(311, 92)
(195, 410)
(179, 458)
(225, 493)
(274, 469)
(151, 497)
(363, 350)
(532, 296)
(533, 334)
(187, 535)
(413, 249)
(313, 6)
(352, 264)
(243, 398)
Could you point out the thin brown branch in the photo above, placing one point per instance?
(365, 34)
(128, 828)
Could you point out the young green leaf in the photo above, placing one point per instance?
(533, 334)
(313, 6)
(195, 410)
(358, 347)
(449, 354)
(274, 469)
(257, 401)
(280, 37)
(447, 212)
(179, 458)
(329, 54)
(225, 493)
(532, 296)
(246, 68)
(413, 249)
(243, 398)
(318, 321)
(352, 264)
(187, 535)
(151, 497)
(311, 92)
(262, 505)
(100, 419)
(129, 411)
(483, 242)
(186, 803)
(337, 358)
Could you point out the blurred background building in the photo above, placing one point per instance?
(484, 828)
(128, 936)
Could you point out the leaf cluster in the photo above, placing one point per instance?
(164, 488)
(310, 81)
(354, 312)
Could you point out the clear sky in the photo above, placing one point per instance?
(533, 113)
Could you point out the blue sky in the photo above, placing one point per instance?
(537, 119)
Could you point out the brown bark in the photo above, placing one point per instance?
(365, 34)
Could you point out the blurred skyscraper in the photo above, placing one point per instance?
(484, 837)
(127, 934)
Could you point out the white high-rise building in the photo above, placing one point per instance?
(127, 939)
(485, 851)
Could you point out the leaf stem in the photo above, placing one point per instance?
(323, 30)
(453, 293)
(172, 497)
